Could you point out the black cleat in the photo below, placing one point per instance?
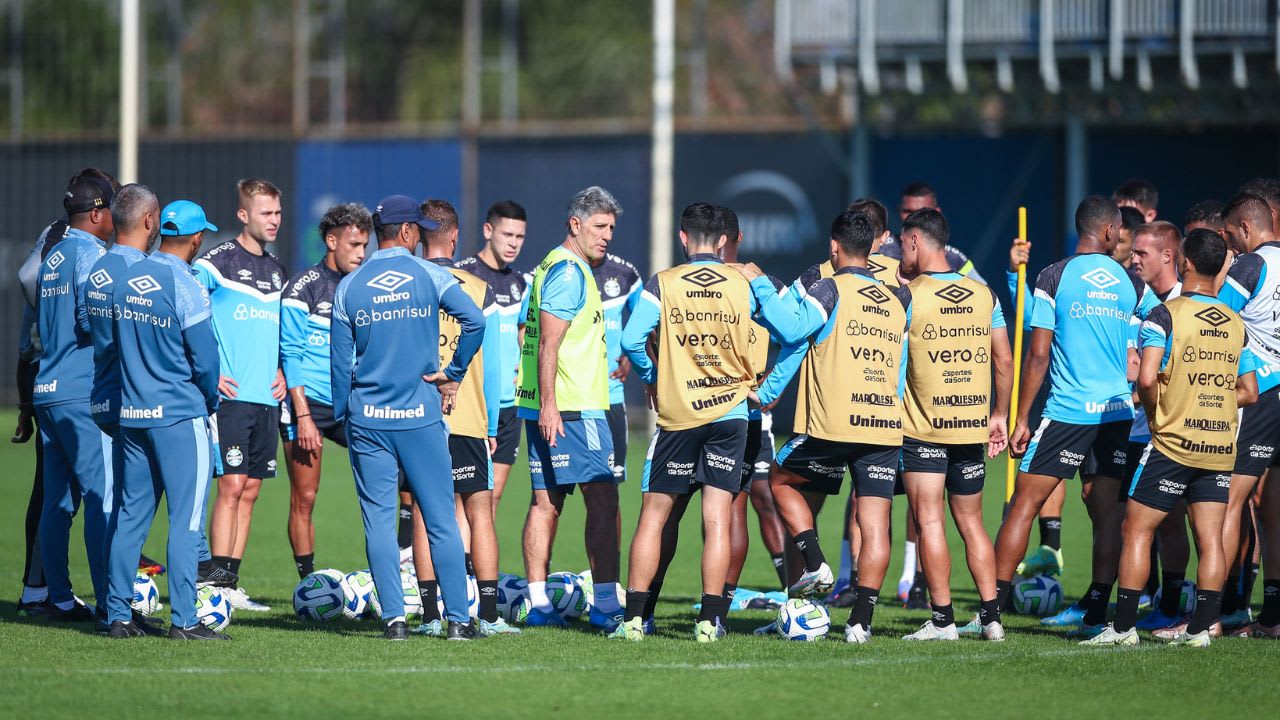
(396, 630)
(199, 632)
(462, 631)
(844, 599)
(121, 630)
(79, 613)
(35, 608)
(763, 603)
(146, 625)
(917, 598)
(217, 576)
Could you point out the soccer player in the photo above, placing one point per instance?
(1130, 219)
(473, 429)
(1082, 314)
(392, 397)
(620, 284)
(244, 281)
(1140, 195)
(564, 399)
(504, 229)
(699, 388)
(1254, 292)
(956, 341)
(74, 447)
(305, 314)
(1268, 189)
(918, 196)
(169, 373)
(1205, 214)
(849, 331)
(1195, 372)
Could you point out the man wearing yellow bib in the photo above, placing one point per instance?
(564, 400)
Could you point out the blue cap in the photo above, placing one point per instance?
(398, 209)
(183, 217)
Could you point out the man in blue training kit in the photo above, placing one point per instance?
(619, 284)
(392, 397)
(1083, 311)
(169, 386)
(75, 450)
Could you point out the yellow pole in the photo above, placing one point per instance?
(1020, 290)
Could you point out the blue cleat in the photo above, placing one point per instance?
(1073, 615)
(603, 620)
(1157, 620)
(842, 584)
(650, 628)
(538, 618)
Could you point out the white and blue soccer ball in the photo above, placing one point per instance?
(412, 598)
(473, 598)
(320, 595)
(803, 619)
(513, 592)
(359, 594)
(565, 592)
(1186, 597)
(1039, 595)
(213, 610)
(146, 596)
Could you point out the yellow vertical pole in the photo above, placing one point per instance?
(1019, 304)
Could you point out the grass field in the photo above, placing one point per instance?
(278, 666)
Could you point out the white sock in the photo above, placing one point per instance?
(607, 598)
(34, 594)
(909, 563)
(846, 561)
(65, 605)
(538, 599)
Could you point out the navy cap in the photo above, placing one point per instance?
(183, 217)
(88, 193)
(398, 209)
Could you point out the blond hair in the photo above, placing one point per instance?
(249, 187)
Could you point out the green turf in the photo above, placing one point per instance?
(278, 666)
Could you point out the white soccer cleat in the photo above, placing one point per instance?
(993, 632)
(1199, 640)
(929, 631)
(815, 582)
(770, 629)
(1109, 636)
(240, 600)
(857, 634)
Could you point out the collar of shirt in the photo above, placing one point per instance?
(76, 232)
(855, 270)
(946, 275)
(704, 257)
(171, 259)
(388, 252)
(328, 271)
(441, 261)
(127, 251)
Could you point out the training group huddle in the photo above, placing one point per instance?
(146, 374)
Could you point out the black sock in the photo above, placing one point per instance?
(235, 565)
(637, 604)
(807, 543)
(919, 582)
(1270, 615)
(650, 599)
(779, 566)
(989, 611)
(404, 536)
(1126, 608)
(1246, 585)
(1095, 602)
(1208, 608)
(488, 599)
(1002, 593)
(943, 615)
(430, 592)
(222, 561)
(1051, 532)
(471, 570)
(864, 606)
(729, 590)
(1171, 593)
(710, 606)
(306, 564)
(1231, 600)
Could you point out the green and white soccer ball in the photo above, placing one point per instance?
(1186, 598)
(566, 595)
(146, 596)
(473, 598)
(320, 595)
(513, 593)
(412, 598)
(213, 610)
(359, 594)
(803, 619)
(1040, 595)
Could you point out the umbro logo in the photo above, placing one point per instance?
(55, 260)
(954, 294)
(100, 279)
(703, 277)
(874, 294)
(875, 267)
(389, 281)
(144, 285)
(1213, 316)
(1100, 278)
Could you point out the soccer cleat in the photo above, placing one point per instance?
(917, 598)
(973, 627)
(767, 601)
(1172, 632)
(1044, 560)
(720, 631)
(538, 618)
(1260, 631)
(149, 567)
(1088, 632)
(770, 629)
(604, 621)
(929, 631)
(857, 634)
(650, 628)
(1145, 602)
(146, 624)
(904, 588)
(993, 632)
(34, 608)
(843, 598)
(1199, 640)
(632, 630)
(121, 630)
(842, 584)
(813, 582)
(704, 631)
(218, 576)
(198, 632)
(1238, 619)
(396, 630)
(462, 632)
(1157, 620)
(240, 600)
(1108, 636)
(435, 628)
(497, 627)
(77, 613)
(1070, 616)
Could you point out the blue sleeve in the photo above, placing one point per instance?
(633, 297)
(457, 303)
(191, 301)
(1028, 300)
(341, 353)
(293, 340)
(1248, 362)
(85, 261)
(26, 343)
(492, 349)
(997, 313)
(1044, 313)
(793, 318)
(524, 307)
(784, 369)
(564, 291)
(1243, 280)
(202, 353)
(1157, 330)
(205, 276)
(644, 318)
(1147, 302)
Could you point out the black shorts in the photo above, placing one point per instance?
(964, 465)
(1259, 435)
(874, 468)
(1161, 482)
(472, 469)
(1061, 449)
(508, 436)
(322, 416)
(760, 456)
(680, 461)
(617, 417)
(247, 439)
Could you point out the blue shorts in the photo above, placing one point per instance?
(584, 455)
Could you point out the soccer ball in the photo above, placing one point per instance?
(566, 595)
(212, 608)
(588, 586)
(1186, 599)
(358, 594)
(412, 598)
(320, 596)
(473, 598)
(146, 596)
(802, 619)
(512, 591)
(1040, 595)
